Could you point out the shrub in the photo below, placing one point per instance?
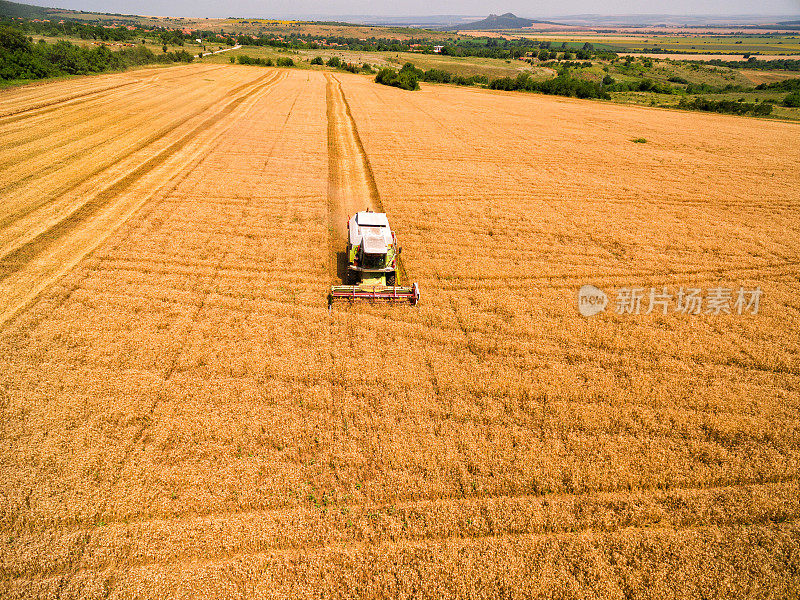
(317, 60)
(789, 85)
(436, 76)
(284, 61)
(406, 78)
(334, 61)
(13, 40)
(792, 100)
(471, 80)
(262, 62)
(563, 85)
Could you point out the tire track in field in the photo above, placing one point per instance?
(484, 517)
(33, 254)
(141, 145)
(351, 183)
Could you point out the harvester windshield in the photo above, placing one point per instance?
(374, 261)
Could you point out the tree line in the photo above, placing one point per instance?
(779, 64)
(562, 85)
(565, 84)
(21, 59)
(85, 31)
(281, 61)
(758, 109)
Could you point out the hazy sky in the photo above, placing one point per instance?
(277, 8)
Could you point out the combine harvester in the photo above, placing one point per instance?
(372, 254)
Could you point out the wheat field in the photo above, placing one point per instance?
(182, 417)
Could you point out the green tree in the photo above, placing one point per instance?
(792, 100)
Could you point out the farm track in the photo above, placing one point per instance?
(351, 184)
(181, 415)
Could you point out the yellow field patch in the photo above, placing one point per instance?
(183, 416)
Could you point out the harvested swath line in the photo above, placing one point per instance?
(25, 113)
(50, 156)
(50, 106)
(101, 137)
(4, 222)
(25, 252)
(54, 115)
(18, 259)
(51, 111)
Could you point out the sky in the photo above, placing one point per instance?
(522, 8)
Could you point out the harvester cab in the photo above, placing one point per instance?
(372, 256)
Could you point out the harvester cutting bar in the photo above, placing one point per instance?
(376, 293)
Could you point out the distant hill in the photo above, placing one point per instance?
(506, 21)
(26, 11)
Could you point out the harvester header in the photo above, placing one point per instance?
(372, 257)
